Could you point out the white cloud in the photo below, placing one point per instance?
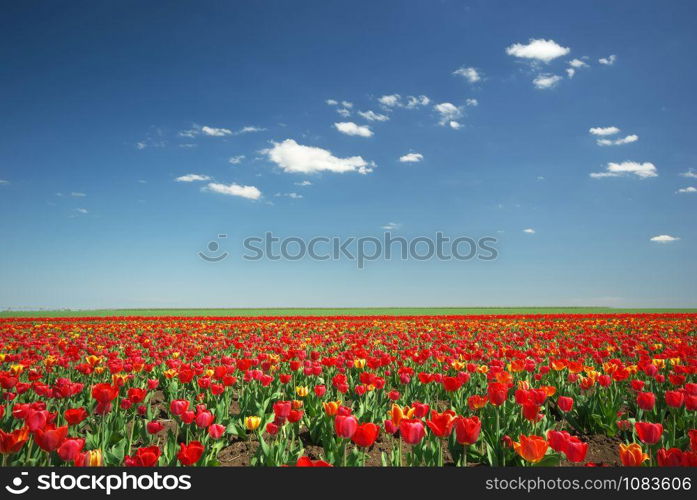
(570, 72)
(331, 102)
(538, 49)
(546, 81)
(472, 102)
(303, 183)
(577, 63)
(192, 178)
(529, 231)
(454, 124)
(81, 210)
(344, 112)
(292, 157)
(411, 158)
(689, 189)
(3, 181)
(449, 113)
(608, 61)
(641, 170)
(603, 130)
(618, 142)
(373, 116)
(77, 195)
(690, 173)
(664, 238)
(141, 145)
(347, 104)
(249, 129)
(236, 160)
(391, 226)
(295, 196)
(470, 74)
(215, 132)
(350, 128)
(197, 130)
(417, 101)
(390, 101)
(249, 192)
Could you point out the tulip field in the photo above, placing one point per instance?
(506, 390)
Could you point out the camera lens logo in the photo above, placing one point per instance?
(16, 488)
(213, 247)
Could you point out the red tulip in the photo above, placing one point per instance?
(345, 426)
(148, 457)
(104, 393)
(648, 433)
(557, 440)
(565, 404)
(671, 458)
(50, 438)
(216, 431)
(441, 424)
(204, 419)
(365, 435)
(646, 400)
(70, 449)
(411, 431)
(282, 408)
(467, 430)
(12, 442)
(307, 462)
(178, 406)
(498, 393)
(190, 453)
(575, 450)
(154, 427)
(675, 399)
(75, 415)
(451, 384)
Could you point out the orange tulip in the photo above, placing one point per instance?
(632, 455)
(397, 413)
(531, 448)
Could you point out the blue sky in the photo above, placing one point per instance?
(104, 105)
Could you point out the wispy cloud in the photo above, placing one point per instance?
(75, 194)
(529, 231)
(618, 142)
(641, 170)
(391, 226)
(249, 192)
(208, 131)
(303, 183)
(689, 189)
(236, 160)
(609, 60)
(3, 181)
(192, 178)
(469, 73)
(411, 158)
(292, 157)
(546, 81)
(373, 116)
(391, 101)
(690, 174)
